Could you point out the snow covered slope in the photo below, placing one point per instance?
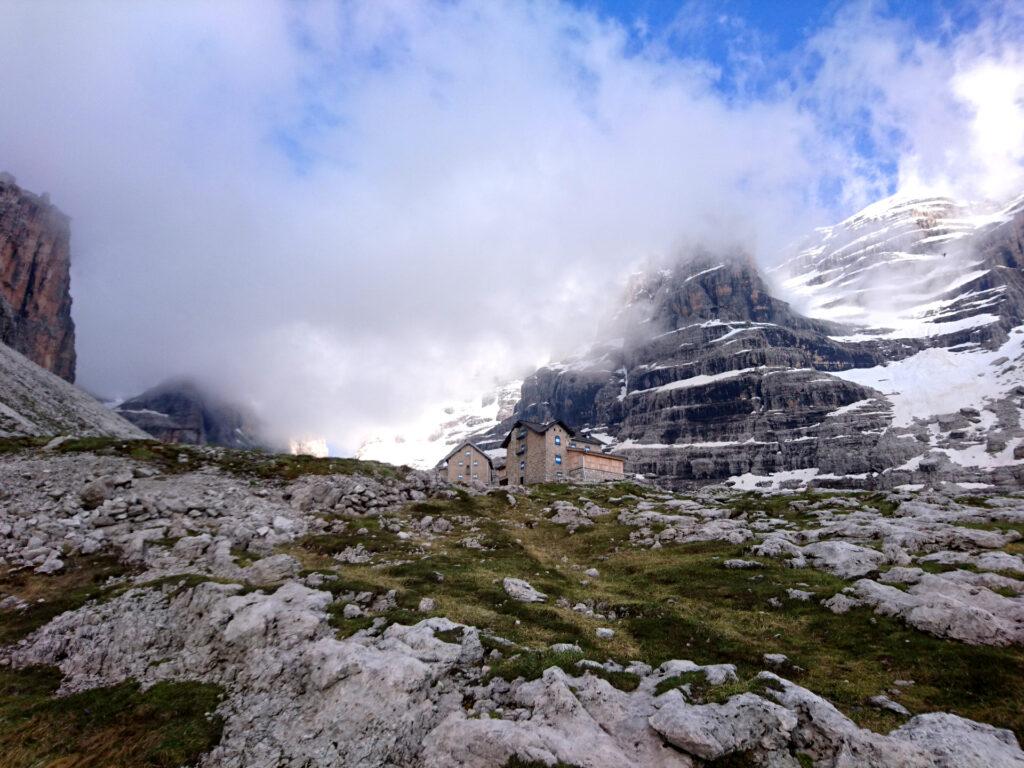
(34, 401)
(913, 268)
(424, 443)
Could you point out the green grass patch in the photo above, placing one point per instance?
(169, 725)
(530, 665)
(172, 458)
(19, 444)
(82, 579)
(703, 692)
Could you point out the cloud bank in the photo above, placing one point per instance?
(340, 212)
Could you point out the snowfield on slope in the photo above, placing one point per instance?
(940, 380)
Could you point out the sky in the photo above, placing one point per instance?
(341, 212)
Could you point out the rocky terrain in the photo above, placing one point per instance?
(180, 605)
(34, 401)
(181, 411)
(35, 263)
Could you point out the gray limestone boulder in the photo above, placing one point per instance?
(843, 559)
(521, 590)
(711, 731)
(955, 742)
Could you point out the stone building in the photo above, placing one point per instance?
(552, 452)
(468, 463)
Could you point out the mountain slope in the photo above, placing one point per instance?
(904, 368)
(34, 401)
(924, 268)
(180, 411)
(715, 377)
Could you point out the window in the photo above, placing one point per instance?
(476, 463)
(572, 444)
(460, 477)
(586, 449)
(558, 458)
(467, 453)
(522, 465)
(461, 462)
(558, 439)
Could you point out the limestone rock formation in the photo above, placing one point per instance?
(35, 262)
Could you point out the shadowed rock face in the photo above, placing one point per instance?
(182, 412)
(35, 262)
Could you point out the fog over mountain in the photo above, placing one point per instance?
(340, 214)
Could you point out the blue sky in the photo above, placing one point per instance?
(780, 26)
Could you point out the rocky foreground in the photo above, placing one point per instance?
(163, 605)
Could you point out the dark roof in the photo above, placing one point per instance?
(462, 445)
(537, 427)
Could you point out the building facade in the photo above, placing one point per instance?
(552, 452)
(468, 463)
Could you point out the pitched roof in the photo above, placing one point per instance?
(462, 445)
(537, 427)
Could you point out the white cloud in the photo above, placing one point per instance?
(995, 92)
(343, 211)
(945, 113)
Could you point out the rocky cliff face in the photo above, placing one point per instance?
(35, 261)
(907, 371)
(182, 412)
